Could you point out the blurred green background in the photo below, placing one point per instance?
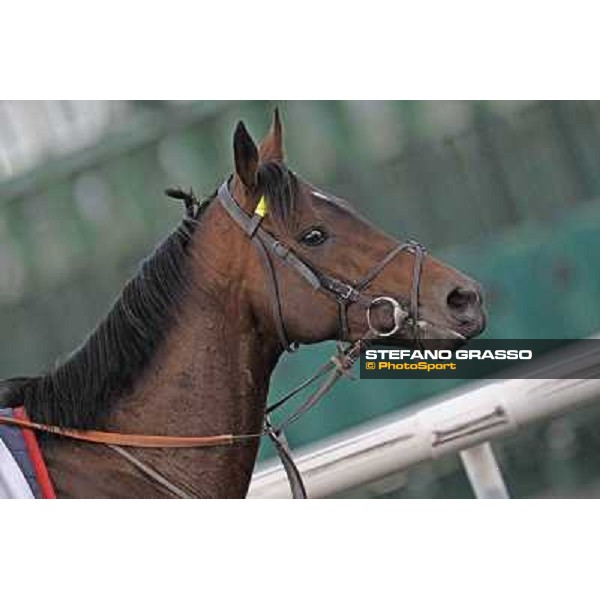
(506, 191)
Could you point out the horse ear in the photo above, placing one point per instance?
(245, 155)
(271, 148)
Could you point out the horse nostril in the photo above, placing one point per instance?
(461, 299)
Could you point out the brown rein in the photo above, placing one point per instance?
(132, 440)
(341, 363)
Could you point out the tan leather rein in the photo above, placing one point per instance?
(340, 364)
(132, 440)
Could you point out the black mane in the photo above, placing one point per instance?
(77, 393)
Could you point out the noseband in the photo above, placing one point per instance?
(345, 294)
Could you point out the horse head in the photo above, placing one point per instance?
(320, 271)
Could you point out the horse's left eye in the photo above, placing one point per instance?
(314, 237)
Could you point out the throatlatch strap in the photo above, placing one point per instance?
(273, 294)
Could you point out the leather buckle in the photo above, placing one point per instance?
(280, 249)
(347, 295)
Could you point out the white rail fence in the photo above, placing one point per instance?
(464, 423)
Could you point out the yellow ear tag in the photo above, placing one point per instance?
(261, 207)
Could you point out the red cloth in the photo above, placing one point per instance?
(37, 460)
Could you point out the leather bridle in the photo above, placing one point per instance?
(344, 293)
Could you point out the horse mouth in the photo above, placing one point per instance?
(426, 332)
(429, 335)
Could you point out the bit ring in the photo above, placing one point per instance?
(399, 316)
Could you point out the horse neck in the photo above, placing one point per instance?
(210, 379)
(210, 376)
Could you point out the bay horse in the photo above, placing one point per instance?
(267, 262)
